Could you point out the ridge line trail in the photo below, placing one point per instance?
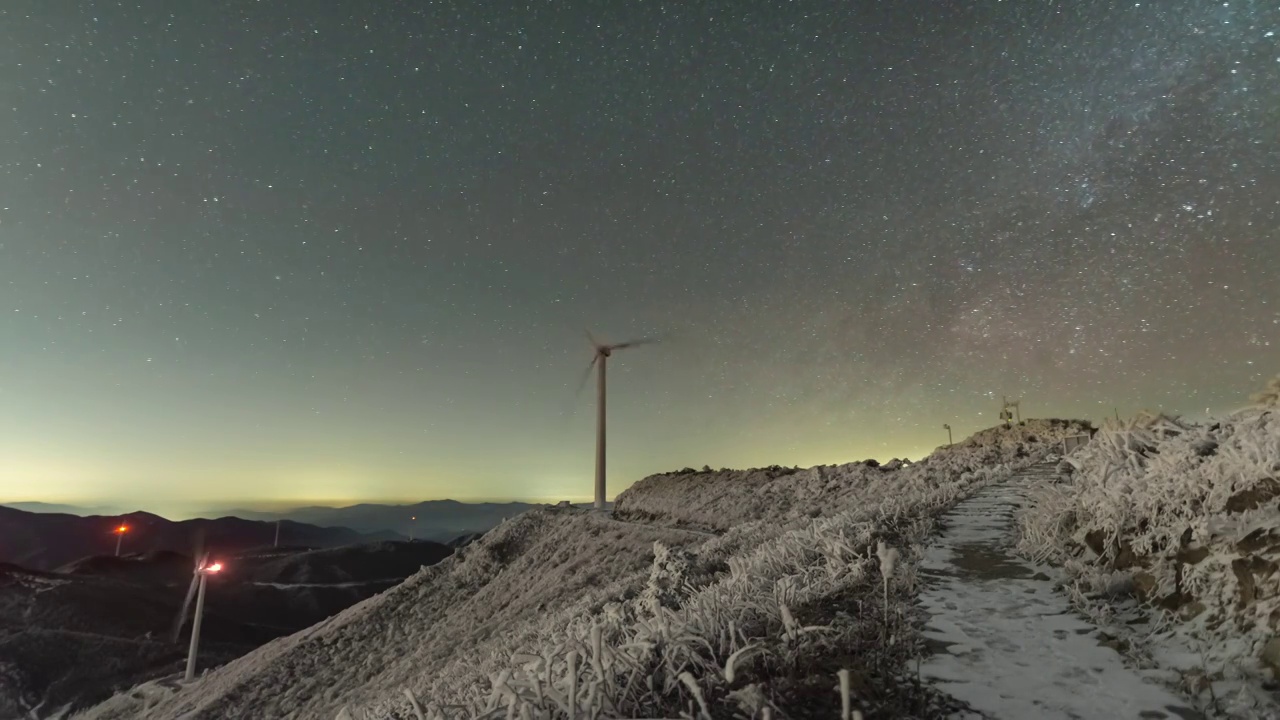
(1005, 640)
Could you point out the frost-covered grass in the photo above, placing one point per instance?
(723, 499)
(565, 613)
(1185, 520)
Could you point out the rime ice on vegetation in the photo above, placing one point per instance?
(1179, 524)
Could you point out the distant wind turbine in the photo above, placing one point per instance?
(120, 531)
(200, 558)
(1005, 405)
(600, 360)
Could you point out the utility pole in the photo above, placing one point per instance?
(277, 540)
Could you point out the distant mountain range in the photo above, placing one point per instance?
(81, 510)
(441, 521)
(438, 520)
(71, 638)
(47, 541)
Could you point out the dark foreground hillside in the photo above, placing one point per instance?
(438, 520)
(102, 624)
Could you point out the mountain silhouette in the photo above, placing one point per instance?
(46, 541)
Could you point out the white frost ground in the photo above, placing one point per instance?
(1013, 646)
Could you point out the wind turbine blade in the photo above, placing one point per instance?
(175, 631)
(200, 557)
(634, 343)
(571, 406)
(592, 339)
(586, 375)
(197, 549)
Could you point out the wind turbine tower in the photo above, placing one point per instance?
(600, 361)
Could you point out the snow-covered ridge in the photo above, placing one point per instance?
(1186, 519)
(721, 499)
(631, 617)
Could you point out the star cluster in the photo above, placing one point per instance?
(275, 251)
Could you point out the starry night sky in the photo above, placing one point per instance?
(296, 251)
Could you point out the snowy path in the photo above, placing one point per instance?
(1005, 640)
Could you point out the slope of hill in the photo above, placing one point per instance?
(71, 638)
(44, 541)
(634, 616)
(371, 562)
(161, 566)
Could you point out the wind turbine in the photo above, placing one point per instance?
(120, 531)
(1005, 404)
(201, 559)
(600, 360)
(204, 571)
